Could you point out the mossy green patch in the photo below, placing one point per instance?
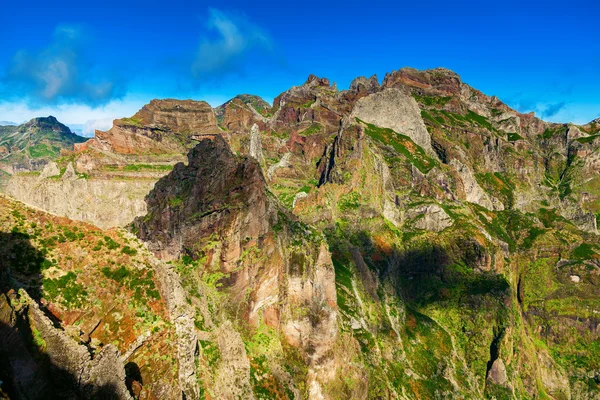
(513, 137)
(403, 145)
(349, 201)
(585, 251)
(42, 150)
(311, 130)
(138, 281)
(132, 121)
(65, 290)
(587, 139)
(432, 100)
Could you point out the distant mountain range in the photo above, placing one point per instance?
(411, 238)
(29, 146)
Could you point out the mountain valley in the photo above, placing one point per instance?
(410, 238)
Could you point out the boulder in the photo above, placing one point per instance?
(497, 374)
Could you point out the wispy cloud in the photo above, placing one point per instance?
(544, 109)
(234, 38)
(60, 73)
(552, 109)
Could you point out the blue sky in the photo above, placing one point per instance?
(91, 64)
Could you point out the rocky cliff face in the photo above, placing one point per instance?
(402, 223)
(414, 239)
(105, 202)
(216, 212)
(241, 112)
(161, 127)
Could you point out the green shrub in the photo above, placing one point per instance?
(129, 251)
(110, 243)
(585, 251)
(119, 275)
(38, 341)
(72, 293)
(431, 100)
(349, 201)
(138, 281)
(513, 137)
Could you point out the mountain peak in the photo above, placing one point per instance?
(314, 80)
(44, 120)
(49, 123)
(369, 85)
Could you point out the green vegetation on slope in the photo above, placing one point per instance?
(403, 145)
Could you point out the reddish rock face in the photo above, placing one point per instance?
(439, 81)
(79, 147)
(316, 81)
(239, 117)
(124, 138)
(161, 127)
(179, 115)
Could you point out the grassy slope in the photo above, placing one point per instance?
(94, 281)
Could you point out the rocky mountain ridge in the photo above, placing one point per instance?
(410, 239)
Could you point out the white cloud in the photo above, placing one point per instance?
(236, 37)
(60, 73)
(72, 113)
(96, 124)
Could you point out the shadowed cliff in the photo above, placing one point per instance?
(35, 363)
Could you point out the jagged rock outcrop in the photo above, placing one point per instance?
(242, 112)
(50, 170)
(75, 374)
(283, 163)
(473, 192)
(362, 84)
(301, 107)
(212, 184)
(255, 149)
(69, 174)
(182, 316)
(75, 326)
(437, 81)
(218, 208)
